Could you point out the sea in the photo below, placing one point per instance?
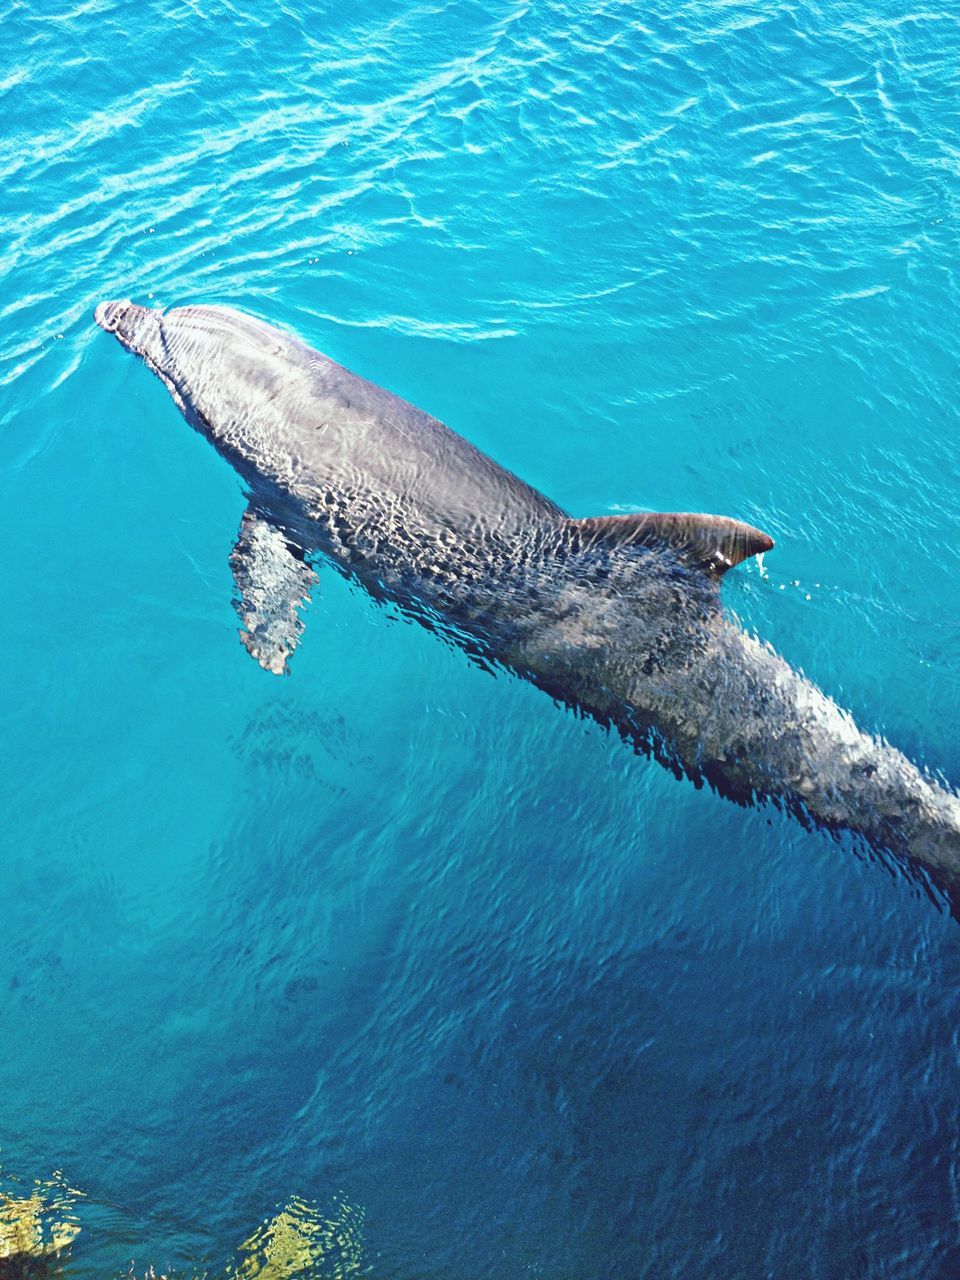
(392, 967)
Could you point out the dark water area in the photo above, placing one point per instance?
(399, 950)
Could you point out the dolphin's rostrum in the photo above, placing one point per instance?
(617, 616)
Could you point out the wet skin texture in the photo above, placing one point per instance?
(619, 617)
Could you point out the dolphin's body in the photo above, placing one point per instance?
(617, 616)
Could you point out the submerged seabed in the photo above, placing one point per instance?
(392, 934)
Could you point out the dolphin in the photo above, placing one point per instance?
(618, 617)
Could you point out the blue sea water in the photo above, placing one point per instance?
(390, 933)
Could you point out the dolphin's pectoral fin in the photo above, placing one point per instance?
(712, 543)
(272, 582)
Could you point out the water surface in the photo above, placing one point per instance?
(392, 936)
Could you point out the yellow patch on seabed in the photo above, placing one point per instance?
(36, 1226)
(303, 1241)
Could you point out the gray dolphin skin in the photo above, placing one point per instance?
(616, 616)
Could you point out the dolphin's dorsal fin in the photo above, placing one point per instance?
(712, 543)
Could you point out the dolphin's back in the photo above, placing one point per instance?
(350, 435)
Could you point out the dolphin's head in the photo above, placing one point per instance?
(136, 327)
(223, 369)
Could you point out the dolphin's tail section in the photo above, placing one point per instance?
(716, 704)
(932, 838)
(767, 730)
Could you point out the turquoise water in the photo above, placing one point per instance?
(392, 933)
